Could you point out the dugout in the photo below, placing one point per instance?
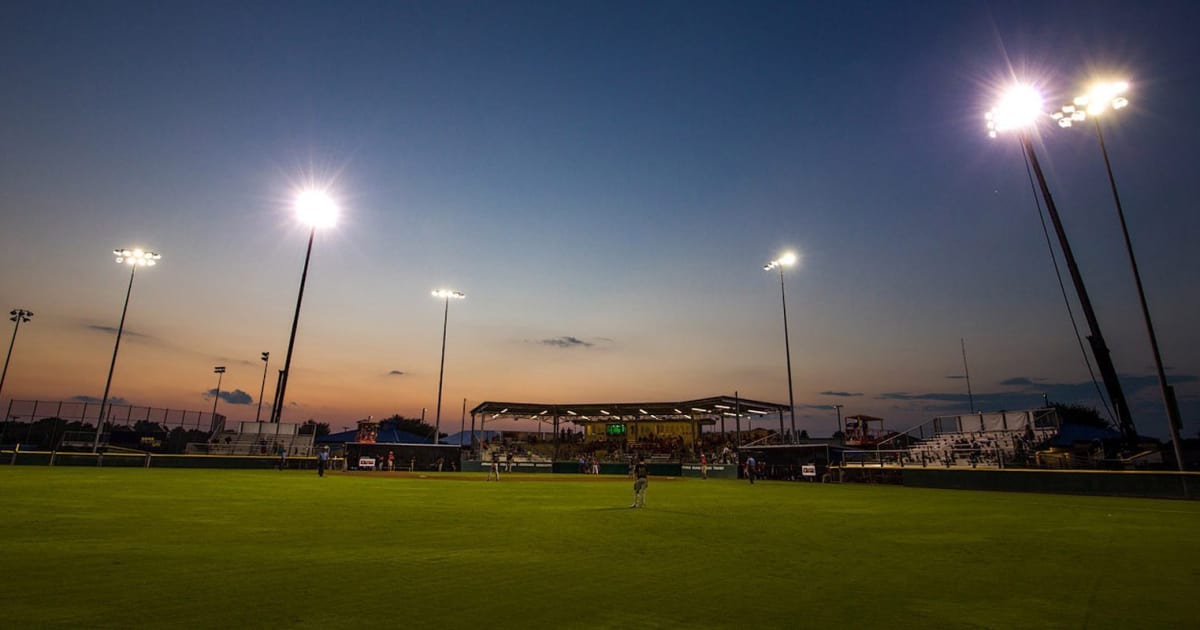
(787, 461)
(417, 457)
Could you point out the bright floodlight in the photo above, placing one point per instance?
(449, 293)
(1099, 98)
(1020, 107)
(786, 260)
(1105, 95)
(136, 257)
(315, 208)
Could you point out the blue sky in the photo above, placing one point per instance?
(616, 173)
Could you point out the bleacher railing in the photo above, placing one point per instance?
(1001, 421)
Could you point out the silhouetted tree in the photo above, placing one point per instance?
(411, 425)
(804, 434)
(322, 428)
(1081, 415)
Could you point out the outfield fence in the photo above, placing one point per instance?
(22, 457)
(50, 424)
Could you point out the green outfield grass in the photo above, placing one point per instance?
(86, 547)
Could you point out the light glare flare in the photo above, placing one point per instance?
(316, 209)
(1020, 107)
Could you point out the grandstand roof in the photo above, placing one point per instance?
(714, 406)
(464, 438)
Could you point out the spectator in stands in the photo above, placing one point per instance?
(322, 460)
(640, 482)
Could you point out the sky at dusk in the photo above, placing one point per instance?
(604, 181)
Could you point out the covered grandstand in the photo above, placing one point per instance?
(677, 425)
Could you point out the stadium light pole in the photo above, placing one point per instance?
(17, 315)
(1019, 110)
(134, 258)
(316, 209)
(838, 409)
(445, 294)
(266, 358)
(786, 260)
(220, 372)
(1102, 97)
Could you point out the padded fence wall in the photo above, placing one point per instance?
(1159, 485)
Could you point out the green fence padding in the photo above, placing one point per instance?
(1159, 485)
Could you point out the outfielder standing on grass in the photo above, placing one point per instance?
(494, 469)
(640, 481)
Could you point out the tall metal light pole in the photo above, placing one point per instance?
(446, 294)
(134, 258)
(266, 357)
(838, 409)
(1020, 109)
(18, 315)
(220, 372)
(1099, 99)
(786, 260)
(315, 208)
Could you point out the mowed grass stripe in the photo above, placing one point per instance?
(196, 548)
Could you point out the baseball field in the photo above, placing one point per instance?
(88, 547)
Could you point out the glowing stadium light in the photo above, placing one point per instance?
(136, 257)
(678, 412)
(761, 413)
(449, 293)
(1019, 108)
(643, 411)
(723, 407)
(699, 409)
(571, 413)
(544, 412)
(605, 412)
(786, 260)
(316, 209)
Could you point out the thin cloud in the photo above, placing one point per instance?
(395, 373)
(112, 331)
(843, 394)
(1020, 381)
(566, 342)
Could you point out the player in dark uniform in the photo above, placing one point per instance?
(640, 481)
(494, 469)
